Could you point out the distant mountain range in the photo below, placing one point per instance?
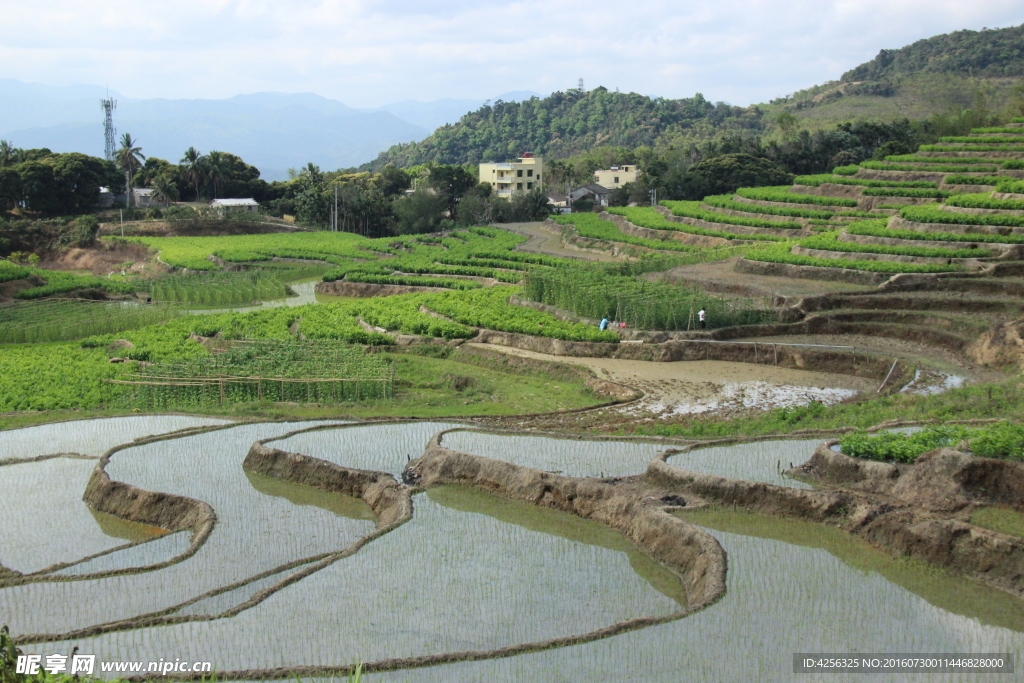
(272, 131)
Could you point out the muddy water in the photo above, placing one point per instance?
(792, 587)
(703, 386)
(573, 457)
(471, 571)
(92, 437)
(761, 461)
(255, 532)
(454, 578)
(45, 521)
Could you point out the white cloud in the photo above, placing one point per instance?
(367, 53)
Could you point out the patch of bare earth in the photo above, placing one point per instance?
(99, 260)
(721, 277)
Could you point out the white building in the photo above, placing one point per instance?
(247, 205)
(514, 176)
(616, 176)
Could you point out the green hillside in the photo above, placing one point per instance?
(988, 53)
(568, 123)
(941, 77)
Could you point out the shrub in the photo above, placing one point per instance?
(728, 172)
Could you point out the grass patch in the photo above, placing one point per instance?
(1003, 520)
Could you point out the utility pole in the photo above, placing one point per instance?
(121, 212)
(335, 208)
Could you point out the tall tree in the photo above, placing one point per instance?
(166, 190)
(129, 159)
(217, 167)
(6, 153)
(192, 168)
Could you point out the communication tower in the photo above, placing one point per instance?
(109, 133)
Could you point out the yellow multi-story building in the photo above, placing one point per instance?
(514, 176)
(616, 176)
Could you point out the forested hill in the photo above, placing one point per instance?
(990, 53)
(567, 123)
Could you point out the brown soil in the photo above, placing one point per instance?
(722, 277)
(368, 289)
(693, 382)
(11, 287)
(102, 259)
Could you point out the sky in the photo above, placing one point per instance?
(368, 53)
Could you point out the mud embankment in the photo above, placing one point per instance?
(907, 524)
(379, 490)
(368, 289)
(689, 552)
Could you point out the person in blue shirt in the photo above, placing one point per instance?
(604, 324)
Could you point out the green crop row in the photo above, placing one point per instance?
(822, 178)
(783, 194)
(974, 179)
(982, 141)
(54, 377)
(60, 282)
(651, 219)
(929, 213)
(868, 228)
(192, 252)
(694, 210)
(218, 289)
(984, 200)
(1001, 440)
(846, 170)
(905, 192)
(914, 159)
(973, 147)
(592, 226)
(781, 254)
(997, 129)
(926, 168)
(50, 320)
(490, 309)
(831, 242)
(727, 202)
(412, 281)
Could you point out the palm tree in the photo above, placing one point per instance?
(217, 168)
(165, 189)
(312, 171)
(194, 163)
(129, 158)
(6, 153)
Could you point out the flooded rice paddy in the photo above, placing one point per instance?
(469, 571)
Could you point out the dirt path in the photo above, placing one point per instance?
(703, 386)
(547, 241)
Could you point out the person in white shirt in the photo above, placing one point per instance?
(701, 316)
